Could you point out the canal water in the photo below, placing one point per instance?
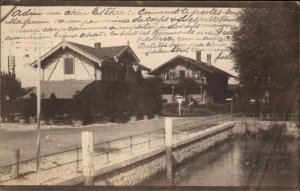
(270, 159)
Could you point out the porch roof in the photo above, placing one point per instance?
(65, 89)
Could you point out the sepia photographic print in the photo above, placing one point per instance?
(149, 95)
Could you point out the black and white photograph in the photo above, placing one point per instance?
(149, 95)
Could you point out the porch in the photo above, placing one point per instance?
(196, 93)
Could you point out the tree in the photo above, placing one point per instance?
(11, 89)
(267, 45)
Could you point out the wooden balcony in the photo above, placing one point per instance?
(176, 82)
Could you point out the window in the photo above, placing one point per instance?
(181, 74)
(98, 74)
(69, 66)
(197, 75)
(171, 74)
(176, 75)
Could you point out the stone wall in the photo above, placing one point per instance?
(253, 126)
(142, 170)
(135, 173)
(136, 169)
(189, 150)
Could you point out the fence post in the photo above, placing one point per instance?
(77, 159)
(244, 126)
(107, 152)
(168, 142)
(130, 145)
(87, 157)
(149, 139)
(15, 166)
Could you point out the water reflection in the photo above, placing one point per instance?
(267, 158)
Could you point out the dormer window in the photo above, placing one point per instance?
(69, 66)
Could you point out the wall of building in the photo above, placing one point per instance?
(54, 70)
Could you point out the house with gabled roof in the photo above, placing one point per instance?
(69, 68)
(208, 81)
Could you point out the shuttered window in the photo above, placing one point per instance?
(69, 66)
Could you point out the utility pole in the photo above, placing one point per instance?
(38, 113)
(38, 122)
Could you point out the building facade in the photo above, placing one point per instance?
(183, 76)
(71, 67)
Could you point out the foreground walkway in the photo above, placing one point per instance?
(60, 139)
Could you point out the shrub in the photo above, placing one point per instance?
(29, 106)
(50, 107)
(151, 100)
(117, 100)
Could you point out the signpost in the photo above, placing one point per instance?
(179, 100)
(231, 106)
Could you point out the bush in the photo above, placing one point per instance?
(50, 107)
(171, 110)
(117, 100)
(29, 106)
(151, 100)
(103, 100)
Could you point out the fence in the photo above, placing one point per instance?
(268, 116)
(70, 161)
(48, 163)
(111, 150)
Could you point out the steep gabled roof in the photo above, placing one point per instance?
(98, 55)
(103, 53)
(64, 89)
(202, 65)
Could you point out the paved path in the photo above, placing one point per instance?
(60, 139)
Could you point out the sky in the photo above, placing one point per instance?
(28, 50)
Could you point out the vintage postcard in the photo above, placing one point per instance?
(150, 95)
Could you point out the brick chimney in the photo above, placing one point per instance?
(97, 45)
(198, 56)
(209, 59)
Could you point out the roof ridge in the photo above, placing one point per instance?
(200, 62)
(94, 47)
(197, 61)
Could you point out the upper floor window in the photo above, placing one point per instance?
(69, 66)
(197, 75)
(181, 74)
(172, 75)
